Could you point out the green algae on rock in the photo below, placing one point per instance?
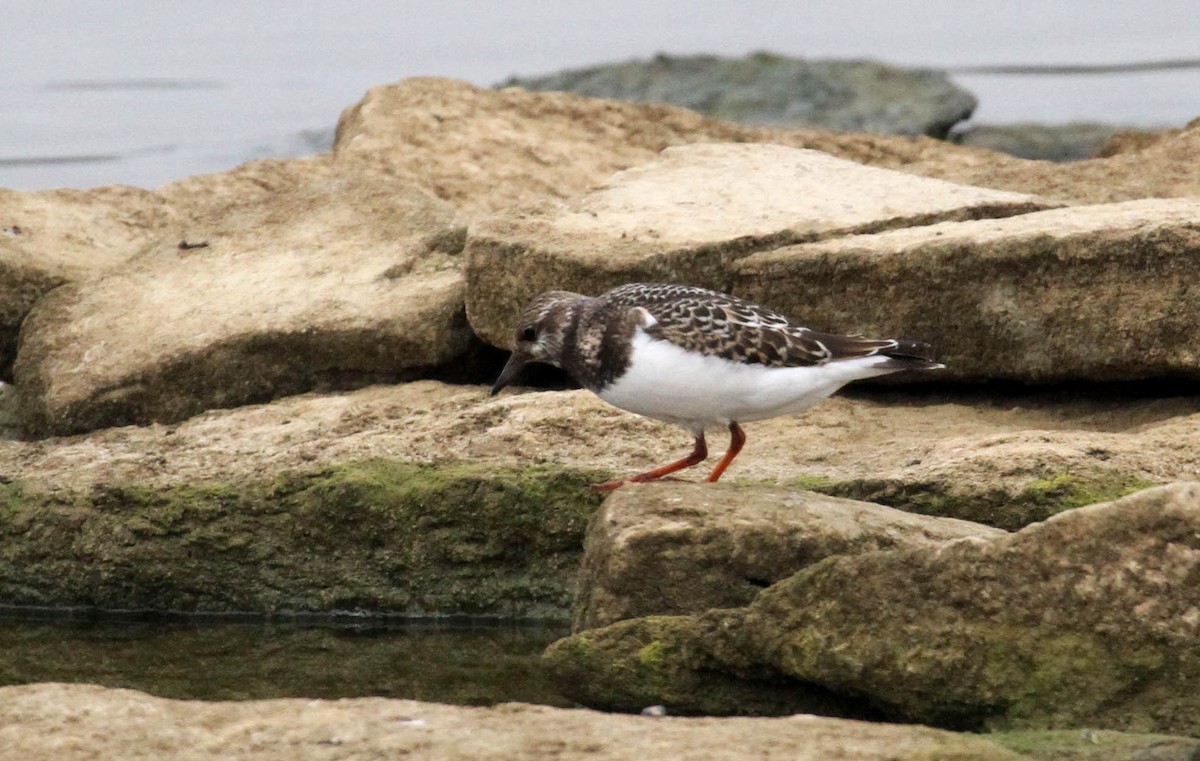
(1037, 500)
(1086, 619)
(381, 536)
(656, 660)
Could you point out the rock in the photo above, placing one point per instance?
(667, 549)
(332, 279)
(658, 660)
(52, 237)
(69, 722)
(1135, 141)
(689, 215)
(1073, 141)
(1087, 619)
(485, 150)
(1094, 293)
(310, 502)
(491, 150)
(382, 536)
(1097, 745)
(766, 89)
(1160, 170)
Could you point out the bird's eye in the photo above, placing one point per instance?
(529, 333)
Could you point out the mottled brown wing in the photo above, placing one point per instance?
(720, 325)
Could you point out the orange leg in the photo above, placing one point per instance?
(698, 455)
(737, 439)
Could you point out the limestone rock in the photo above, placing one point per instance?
(667, 549)
(52, 237)
(489, 150)
(1087, 619)
(1093, 293)
(75, 722)
(335, 278)
(845, 95)
(688, 215)
(485, 150)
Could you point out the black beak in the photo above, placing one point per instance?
(512, 368)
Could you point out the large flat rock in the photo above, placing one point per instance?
(688, 215)
(70, 722)
(1098, 293)
(329, 278)
(1001, 460)
(668, 549)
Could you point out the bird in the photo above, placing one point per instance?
(697, 358)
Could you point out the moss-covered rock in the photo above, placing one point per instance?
(658, 661)
(1007, 505)
(676, 548)
(378, 535)
(1097, 745)
(1087, 619)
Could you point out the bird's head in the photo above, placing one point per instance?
(539, 334)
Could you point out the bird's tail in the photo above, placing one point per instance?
(905, 354)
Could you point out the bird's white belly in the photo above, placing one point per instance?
(667, 382)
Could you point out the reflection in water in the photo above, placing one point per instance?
(459, 663)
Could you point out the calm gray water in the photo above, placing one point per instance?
(148, 91)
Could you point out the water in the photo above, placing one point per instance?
(145, 92)
(464, 664)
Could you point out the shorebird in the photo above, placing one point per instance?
(697, 358)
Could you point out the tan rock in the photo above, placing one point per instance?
(69, 722)
(334, 278)
(692, 212)
(1000, 460)
(1086, 293)
(51, 237)
(668, 549)
(487, 150)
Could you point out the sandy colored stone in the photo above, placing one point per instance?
(689, 215)
(669, 549)
(1098, 293)
(51, 237)
(973, 448)
(68, 722)
(335, 278)
(486, 150)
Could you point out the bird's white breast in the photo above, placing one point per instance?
(667, 382)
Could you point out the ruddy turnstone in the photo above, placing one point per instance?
(697, 358)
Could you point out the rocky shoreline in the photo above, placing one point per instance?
(265, 390)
